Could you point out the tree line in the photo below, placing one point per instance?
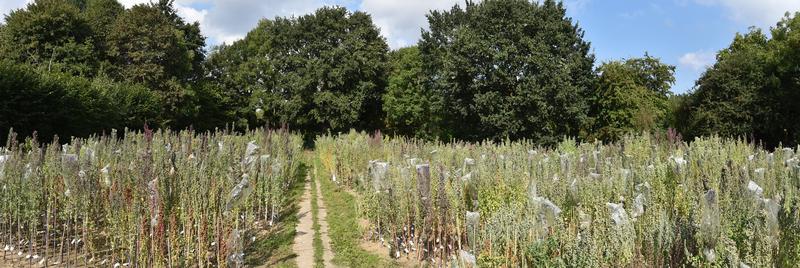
(498, 69)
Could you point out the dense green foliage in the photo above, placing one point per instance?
(407, 102)
(508, 69)
(320, 72)
(640, 202)
(97, 66)
(752, 90)
(496, 69)
(162, 199)
(631, 96)
(52, 34)
(57, 103)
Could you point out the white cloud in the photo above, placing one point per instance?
(190, 14)
(697, 60)
(762, 13)
(401, 21)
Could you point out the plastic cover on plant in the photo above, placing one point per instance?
(617, 213)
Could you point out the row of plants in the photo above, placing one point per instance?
(145, 199)
(643, 201)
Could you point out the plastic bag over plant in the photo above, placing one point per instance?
(424, 183)
(3, 159)
(709, 230)
(236, 252)
(239, 193)
(548, 211)
(618, 214)
(754, 189)
(378, 170)
(249, 155)
(467, 259)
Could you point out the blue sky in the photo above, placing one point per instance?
(684, 33)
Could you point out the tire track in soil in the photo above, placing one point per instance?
(304, 239)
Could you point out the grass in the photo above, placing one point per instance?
(343, 227)
(318, 248)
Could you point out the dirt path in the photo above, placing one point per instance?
(327, 254)
(304, 239)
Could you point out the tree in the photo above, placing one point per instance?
(631, 95)
(784, 125)
(407, 102)
(150, 45)
(101, 15)
(508, 69)
(724, 101)
(53, 103)
(319, 72)
(51, 34)
(752, 90)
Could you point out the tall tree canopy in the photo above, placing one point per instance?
(150, 45)
(94, 51)
(318, 72)
(52, 34)
(752, 90)
(508, 68)
(631, 95)
(407, 101)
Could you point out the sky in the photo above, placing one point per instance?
(683, 33)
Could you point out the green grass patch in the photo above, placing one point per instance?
(343, 227)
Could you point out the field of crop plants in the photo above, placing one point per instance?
(163, 199)
(177, 199)
(644, 201)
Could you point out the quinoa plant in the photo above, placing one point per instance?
(145, 199)
(642, 201)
